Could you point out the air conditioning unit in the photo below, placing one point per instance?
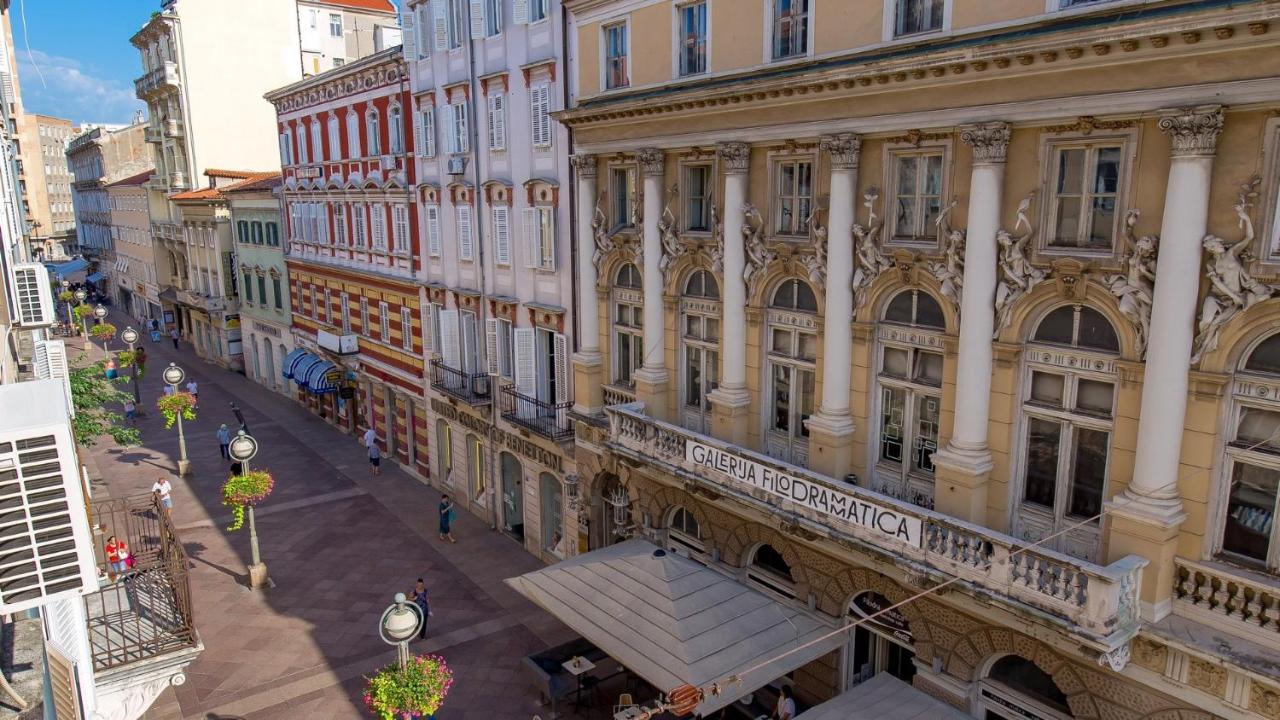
(458, 165)
(46, 547)
(34, 296)
(51, 364)
(388, 163)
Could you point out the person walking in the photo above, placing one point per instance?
(370, 437)
(446, 519)
(419, 597)
(130, 410)
(164, 492)
(224, 442)
(173, 335)
(375, 458)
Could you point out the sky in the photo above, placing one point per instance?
(80, 65)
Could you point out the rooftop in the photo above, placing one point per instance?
(381, 6)
(242, 178)
(138, 179)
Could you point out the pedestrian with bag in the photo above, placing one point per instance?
(446, 519)
(119, 558)
(224, 442)
(419, 597)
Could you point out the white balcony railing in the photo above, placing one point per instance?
(1097, 605)
(617, 395)
(1231, 598)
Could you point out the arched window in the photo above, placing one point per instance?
(791, 354)
(684, 532)
(396, 129)
(700, 347)
(318, 139)
(551, 498)
(373, 133)
(444, 450)
(1068, 393)
(353, 136)
(1251, 480)
(512, 495)
(770, 571)
(475, 467)
(909, 377)
(1016, 682)
(335, 138)
(628, 325)
(304, 143)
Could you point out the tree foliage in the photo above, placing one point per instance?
(91, 394)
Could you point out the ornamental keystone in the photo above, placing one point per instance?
(735, 156)
(990, 141)
(1193, 131)
(585, 165)
(844, 149)
(652, 160)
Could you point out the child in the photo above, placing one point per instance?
(130, 410)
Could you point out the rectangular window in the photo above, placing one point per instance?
(458, 141)
(693, 38)
(539, 238)
(540, 114)
(1251, 508)
(262, 290)
(428, 131)
(378, 226)
(384, 322)
(248, 289)
(497, 122)
(364, 317)
(794, 197)
(344, 306)
(340, 225)
(697, 189)
(339, 62)
(615, 56)
(466, 248)
(492, 17)
(323, 312)
(358, 233)
(242, 231)
(917, 16)
(470, 348)
(1084, 195)
(433, 230)
(400, 229)
(423, 26)
(917, 198)
(790, 28)
(406, 329)
(335, 24)
(434, 330)
(501, 215)
(505, 349)
(257, 232)
(277, 295)
(273, 234)
(475, 466)
(622, 193)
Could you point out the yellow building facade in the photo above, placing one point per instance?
(879, 297)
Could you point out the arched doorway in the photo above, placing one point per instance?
(603, 530)
(269, 371)
(512, 496)
(882, 644)
(1017, 689)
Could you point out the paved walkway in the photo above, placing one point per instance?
(338, 543)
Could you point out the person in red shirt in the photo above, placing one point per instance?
(117, 556)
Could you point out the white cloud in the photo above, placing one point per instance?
(69, 91)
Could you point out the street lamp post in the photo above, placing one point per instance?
(81, 296)
(173, 376)
(100, 312)
(242, 449)
(399, 624)
(130, 336)
(71, 320)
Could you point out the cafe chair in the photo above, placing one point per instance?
(624, 702)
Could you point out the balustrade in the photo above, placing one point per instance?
(1223, 596)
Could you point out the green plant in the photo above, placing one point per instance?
(81, 312)
(91, 392)
(66, 296)
(418, 688)
(241, 491)
(174, 404)
(103, 331)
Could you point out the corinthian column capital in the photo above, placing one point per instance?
(989, 141)
(843, 148)
(734, 156)
(584, 164)
(1193, 131)
(652, 160)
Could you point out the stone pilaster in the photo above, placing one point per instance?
(731, 400)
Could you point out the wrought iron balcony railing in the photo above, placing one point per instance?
(471, 388)
(550, 420)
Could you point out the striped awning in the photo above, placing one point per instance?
(303, 368)
(96, 277)
(66, 268)
(323, 377)
(291, 361)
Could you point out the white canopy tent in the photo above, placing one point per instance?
(674, 621)
(883, 697)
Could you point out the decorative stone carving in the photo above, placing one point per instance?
(652, 161)
(1193, 131)
(603, 242)
(1115, 659)
(990, 141)
(843, 148)
(585, 165)
(1150, 655)
(816, 263)
(1016, 273)
(672, 248)
(950, 269)
(1232, 289)
(1206, 676)
(735, 157)
(1069, 274)
(637, 222)
(868, 261)
(715, 252)
(1264, 699)
(1134, 287)
(758, 255)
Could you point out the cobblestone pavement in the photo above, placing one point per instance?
(338, 543)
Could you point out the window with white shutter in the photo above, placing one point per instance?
(433, 230)
(318, 139)
(358, 226)
(498, 121)
(395, 121)
(539, 238)
(409, 33)
(560, 378)
(286, 152)
(502, 234)
(491, 345)
(526, 362)
(520, 12)
(364, 317)
(406, 329)
(428, 131)
(384, 322)
(493, 17)
(303, 149)
(424, 27)
(335, 139)
(340, 225)
(378, 225)
(344, 306)
(466, 249)
(440, 22)
(322, 223)
(323, 314)
(458, 140)
(478, 19)
(400, 229)
(539, 113)
(470, 347)
(506, 360)
(447, 326)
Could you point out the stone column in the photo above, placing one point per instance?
(651, 379)
(1145, 518)
(588, 363)
(730, 401)
(831, 428)
(964, 466)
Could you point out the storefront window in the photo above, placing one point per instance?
(552, 514)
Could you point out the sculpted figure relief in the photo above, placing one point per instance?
(716, 252)
(816, 263)
(950, 270)
(868, 261)
(1232, 289)
(672, 248)
(1017, 274)
(1134, 288)
(758, 255)
(603, 243)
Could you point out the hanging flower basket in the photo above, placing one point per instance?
(241, 491)
(103, 331)
(81, 312)
(172, 405)
(416, 690)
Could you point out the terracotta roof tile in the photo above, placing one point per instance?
(134, 179)
(199, 194)
(375, 5)
(260, 181)
(233, 174)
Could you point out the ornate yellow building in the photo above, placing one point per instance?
(883, 296)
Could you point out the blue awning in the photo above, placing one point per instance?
(291, 361)
(96, 277)
(66, 268)
(318, 383)
(303, 368)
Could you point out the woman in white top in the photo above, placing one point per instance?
(786, 709)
